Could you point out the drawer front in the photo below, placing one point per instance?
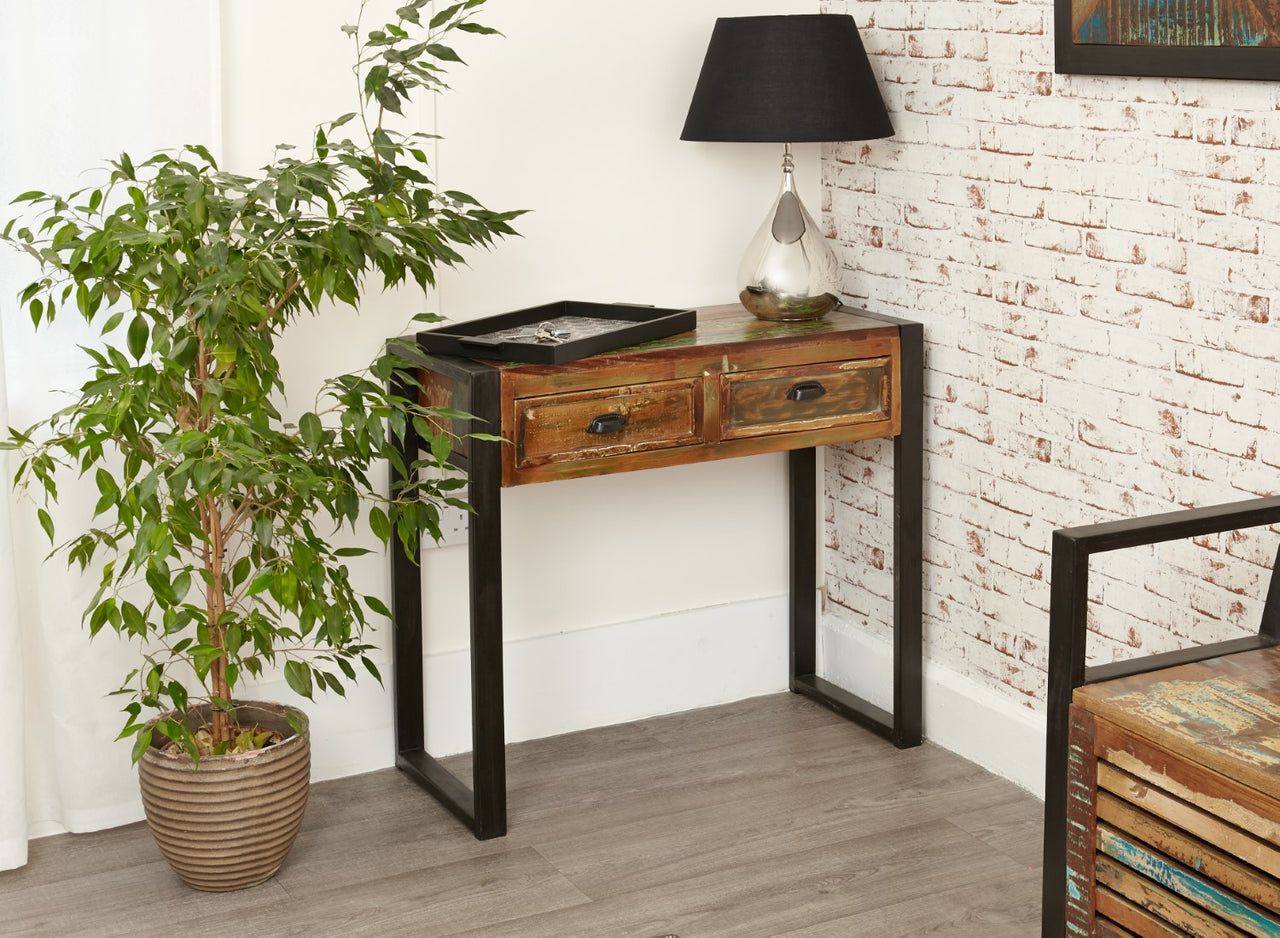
(607, 422)
(785, 400)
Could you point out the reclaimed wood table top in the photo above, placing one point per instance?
(1222, 712)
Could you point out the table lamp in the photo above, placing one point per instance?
(787, 79)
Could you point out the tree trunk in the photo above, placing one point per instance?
(216, 603)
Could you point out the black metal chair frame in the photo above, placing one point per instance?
(1068, 606)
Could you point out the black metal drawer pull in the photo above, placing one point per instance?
(607, 423)
(806, 391)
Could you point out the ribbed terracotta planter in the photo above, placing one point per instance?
(229, 822)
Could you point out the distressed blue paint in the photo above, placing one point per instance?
(1094, 30)
(1181, 23)
(1204, 894)
(1222, 714)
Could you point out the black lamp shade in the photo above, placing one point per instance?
(786, 79)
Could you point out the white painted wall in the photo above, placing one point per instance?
(576, 115)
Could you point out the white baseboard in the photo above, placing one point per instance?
(959, 714)
(597, 677)
(617, 673)
(629, 671)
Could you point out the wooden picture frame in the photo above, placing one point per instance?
(1099, 57)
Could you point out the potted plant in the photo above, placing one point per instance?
(213, 532)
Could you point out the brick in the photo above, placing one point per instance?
(1229, 234)
(1050, 237)
(1106, 435)
(1116, 182)
(1176, 291)
(1168, 122)
(1181, 192)
(1076, 210)
(1252, 272)
(1125, 150)
(962, 75)
(1117, 247)
(1016, 81)
(1005, 138)
(1019, 20)
(1248, 131)
(892, 15)
(1208, 365)
(929, 101)
(1235, 167)
(1094, 261)
(1016, 200)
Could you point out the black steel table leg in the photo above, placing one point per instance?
(485, 563)
(483, 806)
(903, 727)
(908, 539)
(406, 613)
(803, 517)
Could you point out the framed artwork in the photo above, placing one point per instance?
(1172, 38)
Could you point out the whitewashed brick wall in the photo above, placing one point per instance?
(1096, 261)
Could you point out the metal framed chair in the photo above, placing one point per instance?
(1068, 602)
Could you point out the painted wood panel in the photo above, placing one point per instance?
(1175, 775)
(1181, 881)
(1160, 902)
(1194, 853)
(1082, 776)
(859, 354)
(1215, 793)
(1120, 913)
(1222, 713)
(762, 401)
(1199, 822)
(576, 426)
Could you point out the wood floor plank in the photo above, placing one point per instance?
(1007, 908)
(1013, 826)
(763, 817)
(438, 900)
(790, 889)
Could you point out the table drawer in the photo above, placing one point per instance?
(783, 400)
(607, 422)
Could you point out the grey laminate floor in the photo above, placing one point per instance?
(765, 817)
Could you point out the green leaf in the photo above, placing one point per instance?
(378, 606)
(375, 79)
(298, 676)
(261, 582)
(45, 522)
(437, 51)
(137, 338)
(379, 524)
(141, 744)
(311, 430)
(444, 15)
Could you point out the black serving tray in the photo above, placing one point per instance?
(593, 328)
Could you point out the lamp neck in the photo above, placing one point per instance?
(788, 169)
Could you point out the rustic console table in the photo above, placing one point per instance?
(734, 386)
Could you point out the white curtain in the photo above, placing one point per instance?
(13, 805)
(82, 81)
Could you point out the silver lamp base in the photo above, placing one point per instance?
(789, 271)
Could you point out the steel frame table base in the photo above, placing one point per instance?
(483, 805)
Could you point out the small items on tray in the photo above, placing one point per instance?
(556, 332)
